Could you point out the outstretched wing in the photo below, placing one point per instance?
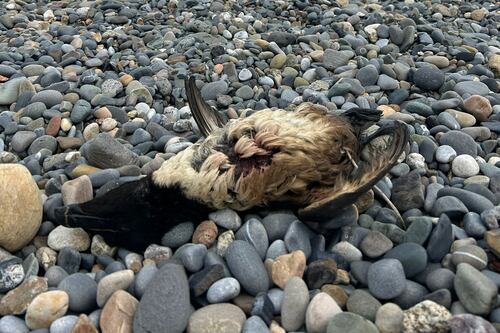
(206, 118)
(381, 157)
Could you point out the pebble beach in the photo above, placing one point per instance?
(92, 96)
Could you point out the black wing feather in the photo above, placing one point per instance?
(206, 118)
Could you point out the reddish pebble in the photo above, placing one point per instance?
(53, 126)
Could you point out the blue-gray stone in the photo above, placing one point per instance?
(253, 232)
(408, 191)
(48, 97)
(367, 75)
(297, 238)
(263, 307)
(226, 218)
(348, 322)
(154, 314)
(55, 274)
(473, 201)
(31, 266)
(81, 110)
(35, 110)
(428, 78)
(101, 177)
(247, 267)
(288, 95)
(419, 108)
(471, 88)
(470, 323)
(441, 238)
(143, 278)
(276, 249)
(45, 141)
(412, 294)
(386, 279)
(106, 152)
(13, 324)
(411, 255)
(82, 291)
(213, 89)
(64, 324)
(223, 290)
(446, 119)
(179, 235)
(277, 224)
(276, 297)
(419, 230)
(22, 140)
(441, 278)
(450, 206)
(386, 82)
(255, 324)
(140, 136)
(192, 256)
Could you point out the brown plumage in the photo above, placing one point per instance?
(307, 158)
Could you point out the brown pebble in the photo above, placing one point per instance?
(69, 143)
(53, 126)
(103, 113)
(337, 293)
(244, 302)
(205, 233)
(118, 313)
(321, 272)
(83, 169)
(16, 301)
(218, 68)
(287, 266)
(342, 277)
(84, 325)
(45, 308)
(492, 238)
(479, 107)
(126, 79)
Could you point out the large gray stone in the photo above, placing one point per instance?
(247, 267)
(165, 306)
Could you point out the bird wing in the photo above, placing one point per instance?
(379, 160)
(206, 118)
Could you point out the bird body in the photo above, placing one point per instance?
(312, 160)
(273, 155)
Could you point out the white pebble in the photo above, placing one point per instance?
(415, 161)
(464, 166)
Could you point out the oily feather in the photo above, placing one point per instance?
(271, 156)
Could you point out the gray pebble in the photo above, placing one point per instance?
(12, 324)
(192, 256)
(63, 325)
(223, 290)
(246, 266)
(178, 235)
(226, 218)
(255, 324)
(277, 224)
(253, 232)
(82, 291)
(386, 279)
